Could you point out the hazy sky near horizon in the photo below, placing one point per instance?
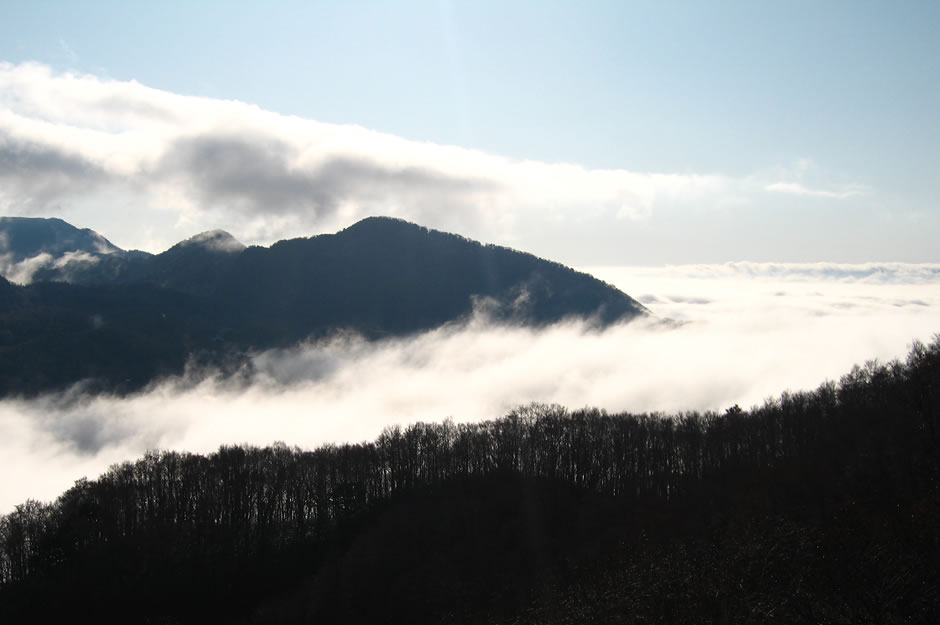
(597, 133)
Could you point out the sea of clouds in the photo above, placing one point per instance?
(750, 331)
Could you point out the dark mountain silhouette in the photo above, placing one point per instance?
(125, 317)
(26, 237)
(38, 250)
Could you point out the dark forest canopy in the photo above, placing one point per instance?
(129, 318)
(816, 507)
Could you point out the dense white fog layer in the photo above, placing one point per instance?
(753, 331)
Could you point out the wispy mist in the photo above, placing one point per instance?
(752, 332)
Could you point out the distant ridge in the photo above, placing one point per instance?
(210, 297)
(26, 237)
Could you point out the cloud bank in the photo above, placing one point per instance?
(67, 140)
(753, 331)
(149, 168)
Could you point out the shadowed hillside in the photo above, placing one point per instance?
(127, 318)
(26, 237)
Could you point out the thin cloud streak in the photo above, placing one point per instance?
(795, 188)
(748, 337)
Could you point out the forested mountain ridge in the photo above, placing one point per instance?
(816, 507)
(127, 318)
(26, 237)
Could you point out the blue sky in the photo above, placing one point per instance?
(831, 106)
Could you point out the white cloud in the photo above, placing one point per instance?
(756, 330)
(795, 188)
(22, 272)
(75, 144)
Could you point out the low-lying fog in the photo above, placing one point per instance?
(753, 331)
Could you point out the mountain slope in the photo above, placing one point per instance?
(25, 237)
(51, 249)
(213, 298)
(379, 276)
(383, 276)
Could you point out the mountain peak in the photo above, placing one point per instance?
(214, 240)
(381, 222)
(26, 237)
